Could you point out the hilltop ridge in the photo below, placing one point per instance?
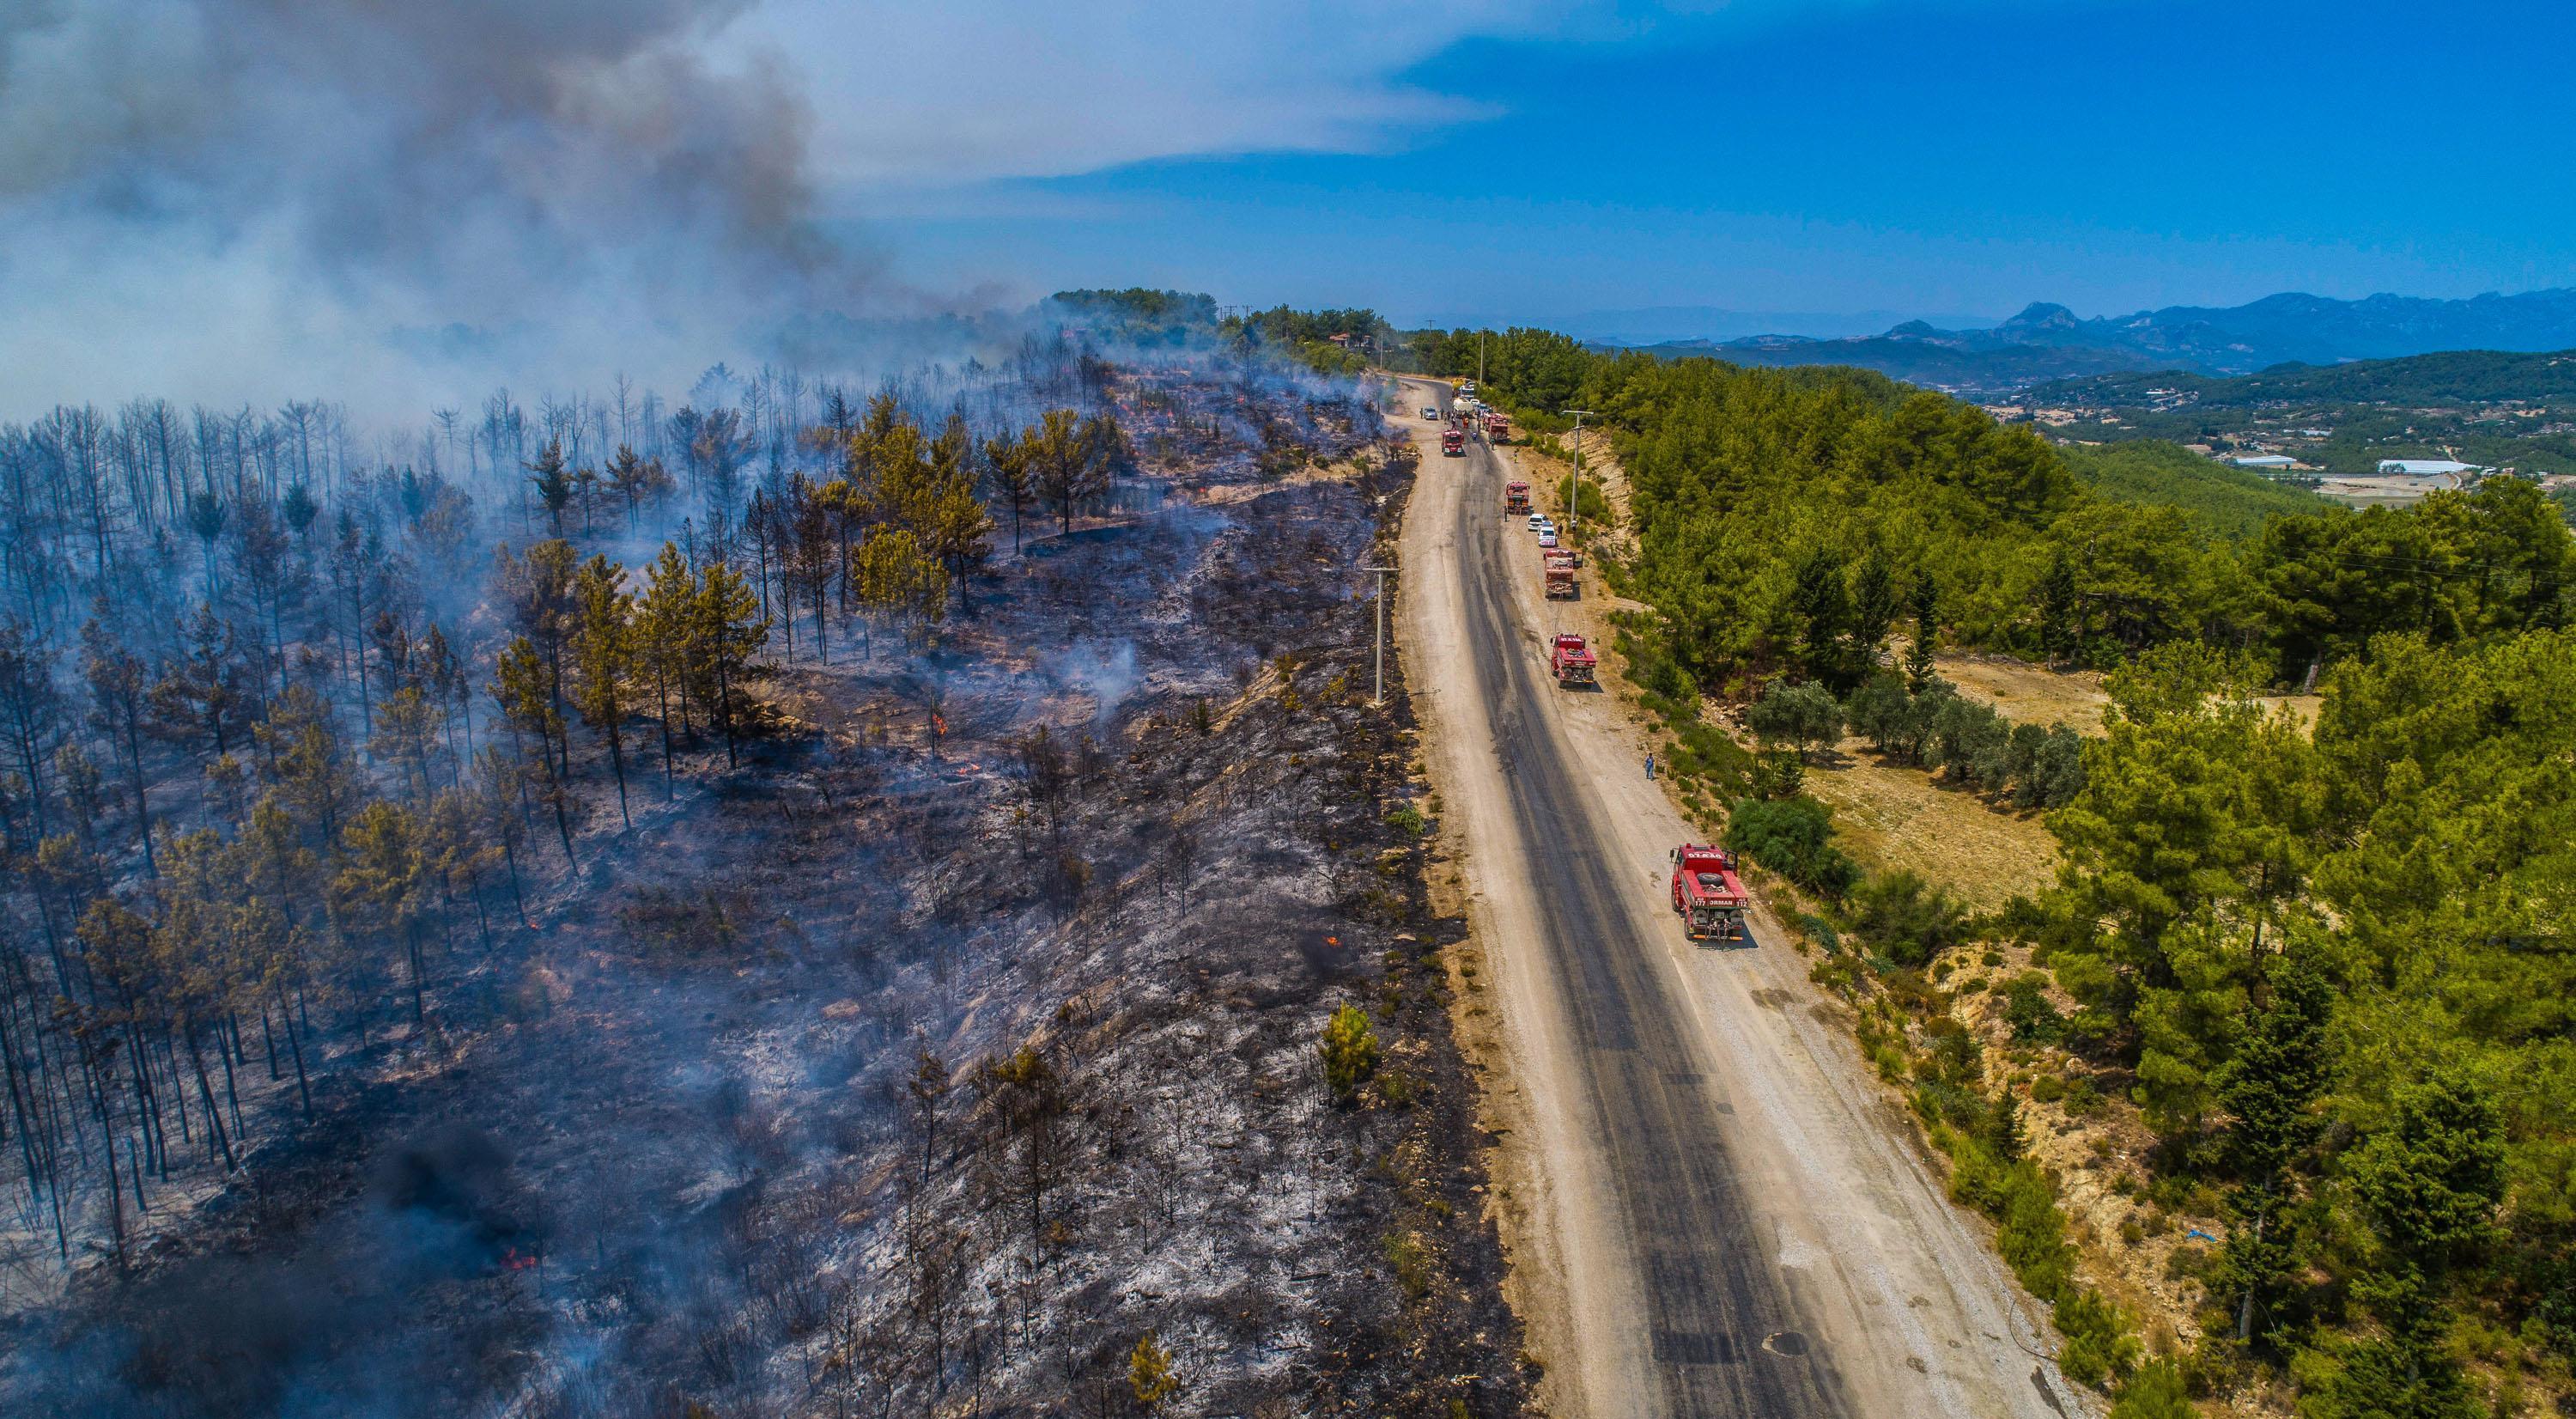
(2048, 341)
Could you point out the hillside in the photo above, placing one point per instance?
(827, 1011)
(2448, 377)
(2493, 408)
(2230, 502)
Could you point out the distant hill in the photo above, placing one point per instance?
(1650, 325)
(2450, 377)
(2049, 342)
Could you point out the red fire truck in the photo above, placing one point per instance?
(1707, 895)
(1559, 565)
(1572, 661)
(1453, 441)
(1516, 497)
(1498, 428)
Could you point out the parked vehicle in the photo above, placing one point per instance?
(1430, 415)
(1572, 661)
(1707, 895)
(1453, 441)
(1516, 497)
(1558, 567)
(1547, 537)
(1497, 428)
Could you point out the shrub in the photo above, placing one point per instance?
(2032, 1233)
(1407, 821)
(1906, 918)
(2056, 772)
(2098, 1346)
(1955, 1052)
(2047, 1089)
(1896, 721)
(1972, 744)
(1779, 774)
(1793, 837)
(2027, 1009)
(1878, 711)
(2156, 1391)
(1805, 715)
(1149, 1371)
(1652, 668)
(1411, 1262)
(1350, 1052)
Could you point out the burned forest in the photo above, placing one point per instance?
(798, 899)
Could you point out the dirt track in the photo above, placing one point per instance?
(1716, 1211)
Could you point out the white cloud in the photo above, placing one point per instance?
(920, 94)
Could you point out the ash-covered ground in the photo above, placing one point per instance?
(959, 1056)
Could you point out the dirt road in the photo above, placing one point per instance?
(1719, 1212)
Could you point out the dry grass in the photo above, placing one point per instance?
(2027, 693)
(1890, 818)
(2021, 691)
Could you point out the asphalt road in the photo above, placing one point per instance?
(1718, 1182)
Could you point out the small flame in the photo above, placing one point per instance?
(939, 722)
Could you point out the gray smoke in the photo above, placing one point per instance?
(328, 189)
(1103, 670)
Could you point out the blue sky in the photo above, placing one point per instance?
(1920, 157)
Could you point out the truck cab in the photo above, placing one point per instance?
(1572, 661)
(1453, 442)
(1516, 496)
(1707, 895)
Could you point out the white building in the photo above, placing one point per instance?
(2274, 462)
(2422, 467)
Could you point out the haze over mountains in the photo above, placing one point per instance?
(2047, 341)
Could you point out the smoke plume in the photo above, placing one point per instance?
(366, 187)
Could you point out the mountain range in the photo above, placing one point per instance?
(2047, 341)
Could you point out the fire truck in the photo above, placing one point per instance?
(1453, 441)
(1707, 895)
(1498, 428)
(1516, 497)
(1572, 661)
(1559, 564)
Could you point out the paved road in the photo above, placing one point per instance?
(1727, 1220)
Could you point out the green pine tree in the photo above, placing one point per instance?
(1350, 1053)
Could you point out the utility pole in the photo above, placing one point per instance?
(1574, 503)
(1480, 358)
(1380, 697)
